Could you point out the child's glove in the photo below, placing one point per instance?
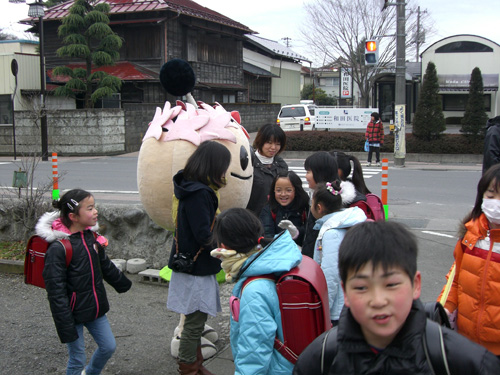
(287, 224)
(452, 317)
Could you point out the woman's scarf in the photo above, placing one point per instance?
(232, 261)
(264, 159)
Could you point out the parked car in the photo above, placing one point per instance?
(290, 117)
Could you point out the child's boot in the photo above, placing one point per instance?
(199, 359)
(188, 368)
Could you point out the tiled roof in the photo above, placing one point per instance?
(185, 7)
(275, 47)
(124, 70)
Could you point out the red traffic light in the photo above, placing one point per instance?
(371, 46)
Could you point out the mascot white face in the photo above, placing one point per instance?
(172, 137)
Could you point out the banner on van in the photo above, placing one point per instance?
(343, 118)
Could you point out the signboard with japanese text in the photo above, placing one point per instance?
(343, 118)
(399, 135)
(345, 83)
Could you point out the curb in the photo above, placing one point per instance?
(11, 266)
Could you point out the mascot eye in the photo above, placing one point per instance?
(243, 158)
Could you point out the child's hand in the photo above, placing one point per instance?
(452, 317)
(287, 224)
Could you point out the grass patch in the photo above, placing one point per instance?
(12, 250)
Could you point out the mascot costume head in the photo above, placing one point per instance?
(174, 134)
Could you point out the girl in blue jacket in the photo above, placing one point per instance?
(238, 233)
(332, 221)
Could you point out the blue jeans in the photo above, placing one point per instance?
(106, 346)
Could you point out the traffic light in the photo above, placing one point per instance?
(371, 52)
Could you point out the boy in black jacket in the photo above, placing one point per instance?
(381, 328)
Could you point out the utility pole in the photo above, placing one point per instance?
(287, 41)
(400, 94)
(419, 39)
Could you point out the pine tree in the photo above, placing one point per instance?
(429, 119)
(474, 121)
(87, 36)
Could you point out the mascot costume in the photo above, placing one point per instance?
(172, 136)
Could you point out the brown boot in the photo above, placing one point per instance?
(188, 368)
(199, 359)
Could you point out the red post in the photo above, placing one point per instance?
(55, 177)
(385, 183)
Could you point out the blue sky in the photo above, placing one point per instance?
(277, 19)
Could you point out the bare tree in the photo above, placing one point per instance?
(338, 29)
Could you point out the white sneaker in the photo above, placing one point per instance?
(368, 164)
(378, 164)
(83, 372)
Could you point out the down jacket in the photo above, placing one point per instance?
(252, 337)
(76, 294)
(332, 229)
(475, 291)
(404, 355)
(271, 220)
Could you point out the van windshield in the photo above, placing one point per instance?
(293, 112)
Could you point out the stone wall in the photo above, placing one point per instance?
(128, 228)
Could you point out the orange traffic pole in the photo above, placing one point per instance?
(385, 182)
(55, 177)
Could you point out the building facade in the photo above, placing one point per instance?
(455, 57)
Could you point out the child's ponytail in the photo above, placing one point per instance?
(334, 195)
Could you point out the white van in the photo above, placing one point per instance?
(292, 116)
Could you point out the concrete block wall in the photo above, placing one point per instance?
(253, 116)
(74, 132)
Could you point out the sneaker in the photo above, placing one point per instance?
(368, 164)
(378, 164)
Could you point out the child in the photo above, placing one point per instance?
(381, 329)
(76, 293)
(375, 136)
(320, 167)
(287, 208)
(344, 163)
(238, 234)
(269, 142)
(333, 221)
(193, 289)
(474, 297)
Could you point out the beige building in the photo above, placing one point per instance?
(23, 52)
(455, 57)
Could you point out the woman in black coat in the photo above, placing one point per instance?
(269, 143)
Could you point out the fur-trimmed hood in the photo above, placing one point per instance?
(50, 227)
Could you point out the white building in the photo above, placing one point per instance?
(455, 57)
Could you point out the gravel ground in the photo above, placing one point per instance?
(140, 321)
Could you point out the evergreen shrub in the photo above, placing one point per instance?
(321, 140)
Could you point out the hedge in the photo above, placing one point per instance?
(354, 141)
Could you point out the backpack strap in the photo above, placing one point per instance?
(434, 348)
(330, 341)
(68, 249)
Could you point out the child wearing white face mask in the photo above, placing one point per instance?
(475, 293)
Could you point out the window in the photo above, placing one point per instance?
(464, 46)
(5, 109)
(292, 112)
(458, 102)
